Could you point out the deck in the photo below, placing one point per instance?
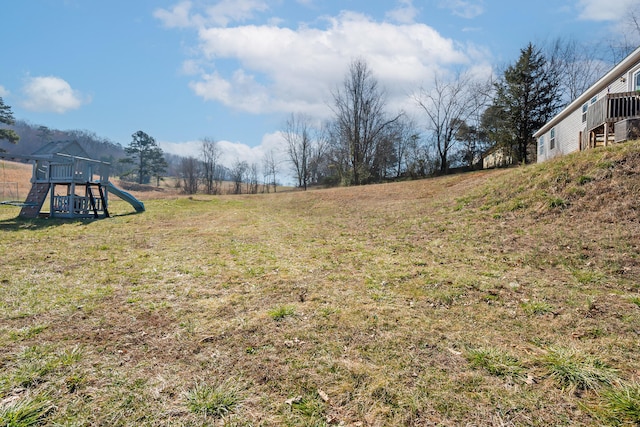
(603, 115)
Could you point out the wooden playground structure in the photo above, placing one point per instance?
(76, 185)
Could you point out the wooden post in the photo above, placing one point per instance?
(606, 133)
(52, 190)
(72, 198)
(580, 144)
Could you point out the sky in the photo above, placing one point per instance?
(235, 70)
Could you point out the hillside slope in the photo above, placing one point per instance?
(506, 297)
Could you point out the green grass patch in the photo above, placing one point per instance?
(496, 362)
(281, 312)
(536, 308)
(214, 400)
(622, 404)
(572, 370)
(27, 411)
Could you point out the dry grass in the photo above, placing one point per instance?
(14, 180)
(437, 302)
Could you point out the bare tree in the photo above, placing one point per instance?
(270, 169)
(210, 152)
(318, 159)
(297, 134)
(252, 179)
(190, 174)
(628, 37)
(576, 66)
(404, 134)
(420, 161)
(238, 173)
(448, 105)
(360, 120)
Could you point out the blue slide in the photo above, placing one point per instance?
(127, 197)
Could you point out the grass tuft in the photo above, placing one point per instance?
(279, 313)
(496, 362)
(25, 412)
(573, 371)
(536, 308)
(214, 400)
(623, 403)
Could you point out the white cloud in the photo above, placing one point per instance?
(231, 152)
(280, 69)
(468, 9)
(270, 68)
(3, 91)
(405, 13)
(605, 10)
(222, 13)
(177, 17)
(51, 94)
(226, 11)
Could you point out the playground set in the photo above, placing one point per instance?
(77, 186)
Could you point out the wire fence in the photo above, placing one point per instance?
(9, 191)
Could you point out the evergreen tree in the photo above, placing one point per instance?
(527, 96)
(147, 156)
(158, 164)
(6, 117)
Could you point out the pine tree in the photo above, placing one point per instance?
(6, 117)
(147, 156)
(526, 98)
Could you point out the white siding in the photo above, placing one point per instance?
(630, 83)
(567, 136)
(619, 86)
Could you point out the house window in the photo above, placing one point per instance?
(552, 139)
(541, 146)
(636, 81)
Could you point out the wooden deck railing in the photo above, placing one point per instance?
(613, 108)
(81, 204)
(78, 172)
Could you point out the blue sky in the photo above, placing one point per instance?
(233, 70)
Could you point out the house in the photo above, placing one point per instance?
(607, 112)
(496, 157)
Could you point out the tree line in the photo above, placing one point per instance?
(460, 117)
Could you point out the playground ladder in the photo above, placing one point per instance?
(35, 199)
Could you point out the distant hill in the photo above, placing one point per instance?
(32, 137)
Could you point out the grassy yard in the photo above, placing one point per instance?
(507, 297)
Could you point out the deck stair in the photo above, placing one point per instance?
(35, 200)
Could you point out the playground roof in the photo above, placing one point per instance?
(71, 148)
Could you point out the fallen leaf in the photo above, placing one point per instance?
(293, 400)
(323, 395)
(452, 351)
